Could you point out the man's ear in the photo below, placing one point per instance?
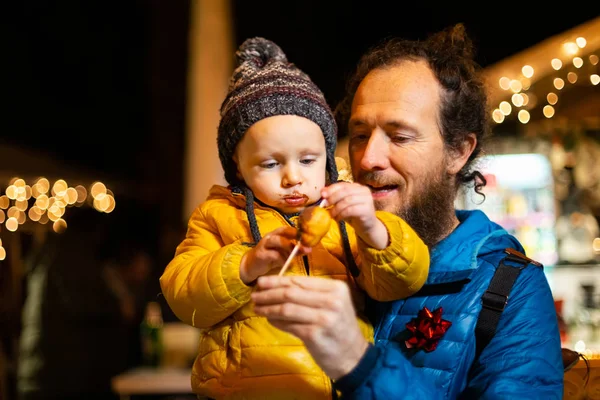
(459, 156)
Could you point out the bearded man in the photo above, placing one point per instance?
(484, 325)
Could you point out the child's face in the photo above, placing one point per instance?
(283, 160)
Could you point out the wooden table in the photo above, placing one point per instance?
(152, 382)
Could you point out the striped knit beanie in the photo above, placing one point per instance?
(265, 84)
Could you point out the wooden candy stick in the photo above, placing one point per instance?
(294, 252)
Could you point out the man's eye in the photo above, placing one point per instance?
(359, 137)
(400, 139)
(269, 165)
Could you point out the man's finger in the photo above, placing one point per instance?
(296, 296)
(310, 283)
(290, 312)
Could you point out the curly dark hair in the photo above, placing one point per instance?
(464, 104)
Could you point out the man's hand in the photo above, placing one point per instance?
(353, 203)
(320, 312)
(270, 252)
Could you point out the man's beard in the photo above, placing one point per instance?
(430, 210)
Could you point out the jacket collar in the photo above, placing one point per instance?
(455, 257)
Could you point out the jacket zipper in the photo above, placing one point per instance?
(289, 221)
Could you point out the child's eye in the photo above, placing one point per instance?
(269, 165)
(308, 161)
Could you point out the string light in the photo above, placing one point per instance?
(570, 50)
(42, 202)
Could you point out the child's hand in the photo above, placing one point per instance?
(270, 252)
(353, 203)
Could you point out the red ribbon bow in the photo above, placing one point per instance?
(427, 329)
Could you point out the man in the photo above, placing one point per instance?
(416, 115)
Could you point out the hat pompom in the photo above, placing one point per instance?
(260, 51)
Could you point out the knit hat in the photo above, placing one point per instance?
(265, 84)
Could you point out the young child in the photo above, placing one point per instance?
(276, 143)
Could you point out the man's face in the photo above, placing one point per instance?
(396, 147)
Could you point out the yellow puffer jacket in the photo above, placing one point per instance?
(242, 356)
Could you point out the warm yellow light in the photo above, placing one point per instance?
(524, 116)
(527, 71)
(593, 59)
(37, 210)
(11, 192)
(81, 193)
(570, 48)
(44, 219)
(581, 42)
(556, 63)
(97, 188)
(517, 99)
(526, 83)
(111, 204)
(101, 202)
(498, 116)
(596, 245)
(559, 83)
(12, 224)
(572, 77)
(516, 86)
(4, 202)
(33, 214)
(12, 212)
(525, 98)
(19, 182)
(21, 218)
(56, 210)
(44, 185)
(504, 83)
(505, 107)
(42, 202)
(71, 196)
(548, 111)
(59, 226)
(2, 218)
(52, 216)
(552, 98)
(21, 205)
(28, 192)
(59, 188)
(35, 191)
(21, 193)
(2, 253)
(577, 62)
(595, 79)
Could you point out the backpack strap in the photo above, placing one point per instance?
(495, 298)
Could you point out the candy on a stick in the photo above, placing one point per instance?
(313, 224)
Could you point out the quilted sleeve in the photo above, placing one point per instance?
(400, 269)
(384, 373)
(202, 283)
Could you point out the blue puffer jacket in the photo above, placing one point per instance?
(522, 361)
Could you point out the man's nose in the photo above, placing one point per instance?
(375, 155)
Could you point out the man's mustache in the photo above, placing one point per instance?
(374, 177)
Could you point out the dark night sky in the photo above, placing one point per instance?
(93, 81)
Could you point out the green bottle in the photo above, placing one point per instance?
(151, 335)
